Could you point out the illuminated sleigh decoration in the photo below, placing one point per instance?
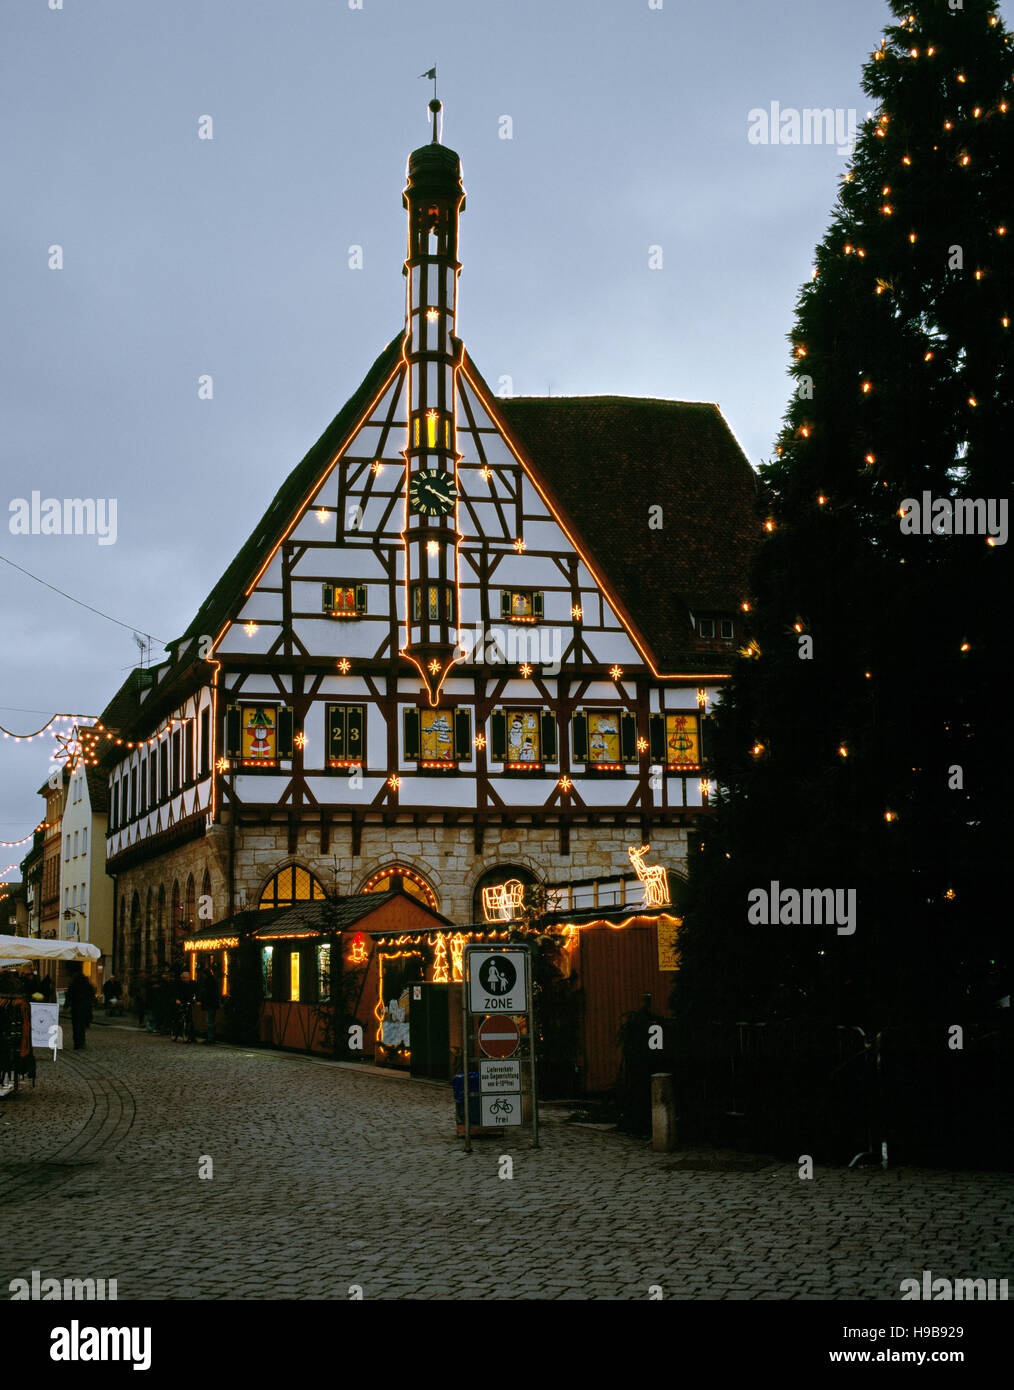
(502, 900)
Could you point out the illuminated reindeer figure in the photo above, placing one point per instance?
(501, 901)
(653, 876)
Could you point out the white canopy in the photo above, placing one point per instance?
(19, 948)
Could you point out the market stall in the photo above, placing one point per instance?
(17, 1059)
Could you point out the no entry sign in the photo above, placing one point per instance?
(499, 1037)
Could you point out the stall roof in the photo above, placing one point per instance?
(309, 919)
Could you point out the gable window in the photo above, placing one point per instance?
(428, 596)
(259, 735)
(522, 605)
(524, 740)
(438, 738)
(177, 766)
(604, 739)
(399, 876)
(205, 741)
(676, 741)
(290, 886)
(142, 788)
(346, 725)
(342, 599)
(188, 751)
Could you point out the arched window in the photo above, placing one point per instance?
(497, 878)
(174, 920)
(206, 893)
(412, 883)
(121, 955)
(135, 933)
(160, 928)
(290, 886)
(147, 931)
(190, 910)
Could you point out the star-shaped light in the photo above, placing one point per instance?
(432, 315)
(394, 782)
(344, 665)
(377, 467)
(479, 740)
(616, 672)
(434, 666)
(577, 611)
(525, 670)
(702, 697)
(221, 764)
(519, 545)
(300, 740)
(249, 629)
(565, 784)
(485, 473)
(321, 515)
(642, 745)
(432, 547)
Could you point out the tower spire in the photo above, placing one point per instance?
(434, 197)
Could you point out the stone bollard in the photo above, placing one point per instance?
(663, 1113)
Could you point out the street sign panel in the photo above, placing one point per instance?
(500, 1110)
(497, 981)
(499, 1037)
(495, 1077)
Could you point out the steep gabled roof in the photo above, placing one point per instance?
(609, 459)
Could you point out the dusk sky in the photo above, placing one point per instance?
(229, 257)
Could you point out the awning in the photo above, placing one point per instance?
(21, 948)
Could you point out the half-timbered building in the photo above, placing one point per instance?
(472, 639)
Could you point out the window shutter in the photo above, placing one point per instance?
(336, 731)
(284, 739)
(628, 737)
(547, 728)
(232, 732)
(463, 735)
(498, 730)
(656, 730)
(579, 737)
(538, 604)
(411, 733)
(354, 733)
(505, 603)
(327, 597)
(702, 724)
(360, 599)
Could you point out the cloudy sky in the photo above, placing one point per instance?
(229, 257)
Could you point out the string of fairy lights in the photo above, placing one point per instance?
(974, 115)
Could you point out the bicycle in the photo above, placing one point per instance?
(183, 1022)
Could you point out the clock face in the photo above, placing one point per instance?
(432, 492)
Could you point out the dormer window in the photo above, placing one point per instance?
(522, 605)
(706, 627)
(340, 599)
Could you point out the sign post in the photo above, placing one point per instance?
(498, 991)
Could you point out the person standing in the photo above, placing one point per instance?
(80, 998)
(209, 996)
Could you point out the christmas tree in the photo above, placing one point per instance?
(864, 742)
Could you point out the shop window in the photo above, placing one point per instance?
(343, 599)
(268, 970)
(294, 977)
(524, 740)
(324, 972)
(604, 739)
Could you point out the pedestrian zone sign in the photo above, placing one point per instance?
(497, 982)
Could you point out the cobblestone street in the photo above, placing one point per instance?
(327, 1177)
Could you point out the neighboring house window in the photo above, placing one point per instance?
(142, 788)
(727, 629)
(343, 599)
(75, 843)
(84, 840)
(133, 792)
(604, 738)
(66, 852)
(163, 769)
(188, 751)
(346, 735)
(523, 739)
(706, 627)
(522, 605)
(177, 765)
(437, 738)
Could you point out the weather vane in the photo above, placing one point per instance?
(434, 104)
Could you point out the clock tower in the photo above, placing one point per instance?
(434, 196)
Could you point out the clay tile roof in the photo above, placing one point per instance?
(608, 459)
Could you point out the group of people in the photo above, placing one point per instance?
(156, 999)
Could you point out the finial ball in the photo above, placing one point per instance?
(435, 105)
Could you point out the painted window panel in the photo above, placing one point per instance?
(345, 726)
(683, 741)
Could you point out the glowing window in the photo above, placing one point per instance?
(290, 886)
(411, 882)
(294, 977)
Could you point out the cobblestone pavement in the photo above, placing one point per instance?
(325, 1177)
